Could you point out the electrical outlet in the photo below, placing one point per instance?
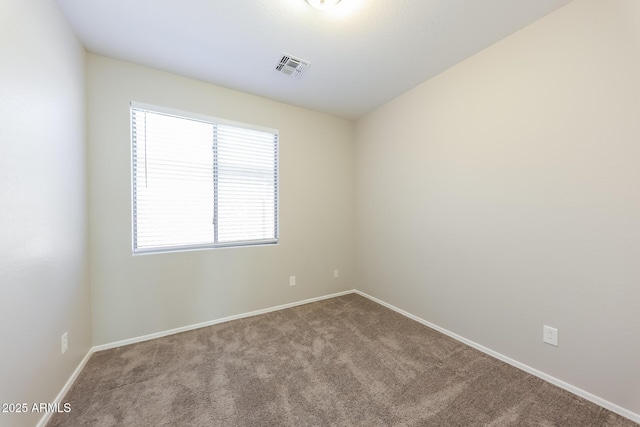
(65, 342)
(292, 281)
(550, 335)
(336, 273)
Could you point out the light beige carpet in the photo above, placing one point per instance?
(339, 362)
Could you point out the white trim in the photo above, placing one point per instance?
(214, 322)
(199, 117)
(205, 246)
(45, 418)
(210, 241)
(566, 386)
(555, 381)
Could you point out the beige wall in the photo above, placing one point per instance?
(44, 289)
(139, 295)
(497, 197)
(504, 194)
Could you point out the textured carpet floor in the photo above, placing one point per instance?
(339, 362)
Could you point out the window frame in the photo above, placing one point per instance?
(214, 121)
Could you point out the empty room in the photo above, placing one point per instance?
(320, 213)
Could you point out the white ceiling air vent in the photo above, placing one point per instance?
(292, 66)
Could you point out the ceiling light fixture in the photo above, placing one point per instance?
(323, 4)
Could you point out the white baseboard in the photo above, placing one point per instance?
(214, 322)
(45, 418)
(566, 386)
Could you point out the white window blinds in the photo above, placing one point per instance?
(201, 182)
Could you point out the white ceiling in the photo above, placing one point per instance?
(363, 53)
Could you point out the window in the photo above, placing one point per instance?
(200, 182)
